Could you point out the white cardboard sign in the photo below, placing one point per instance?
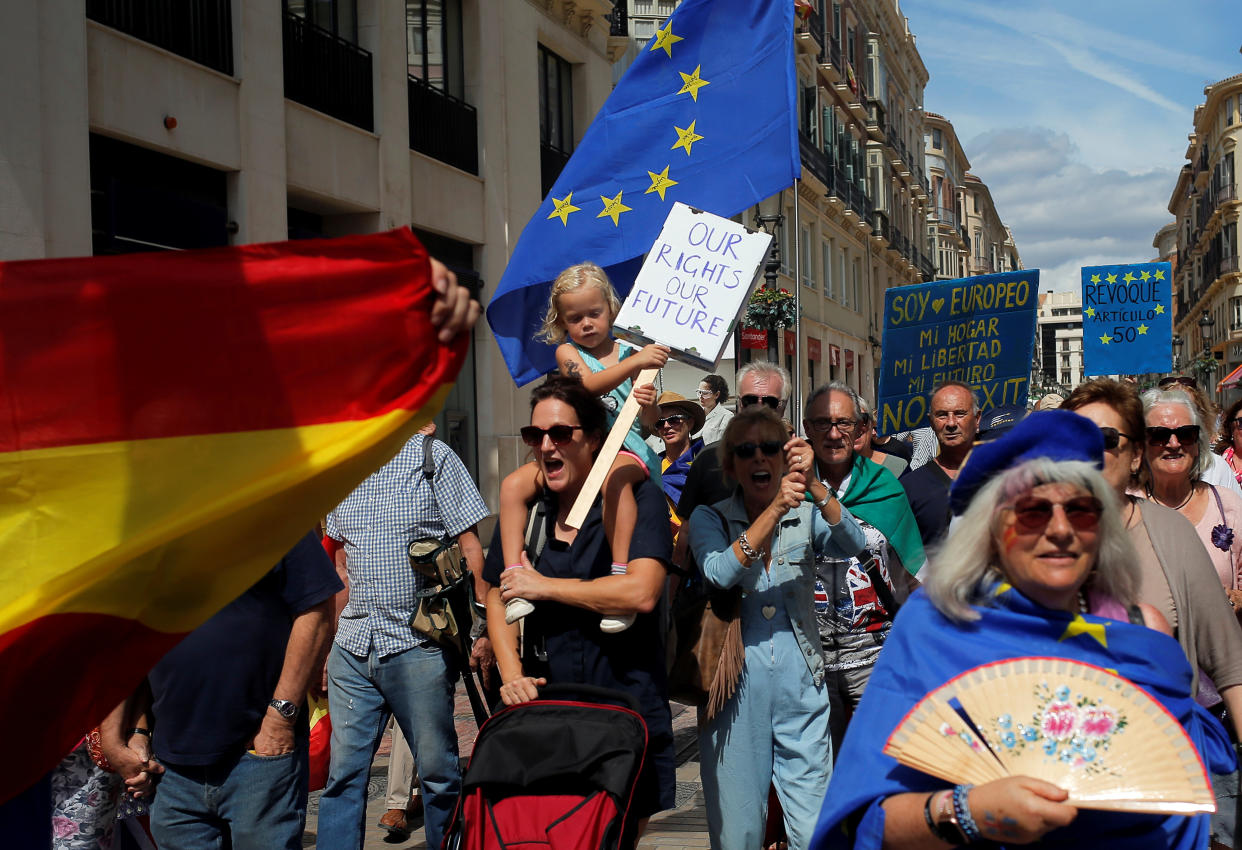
(693, 286)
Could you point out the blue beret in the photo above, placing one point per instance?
(1054, 434)
(999, 420)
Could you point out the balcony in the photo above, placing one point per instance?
(199, 30)
(327, 73)
(443, 127)
(926, 268)
(1225, 194)
(830, 62)
(813, 27)
(946, 216)
(876, 125)
(618, 21)
(551, 162)
(813, 158)
(979, 265)
(880, 227)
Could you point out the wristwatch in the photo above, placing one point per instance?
(288, 710)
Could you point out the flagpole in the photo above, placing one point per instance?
(795, 402)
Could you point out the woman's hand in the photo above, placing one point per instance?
(1019, 809)
(522, 582)
(791, 494)
(524, 689)
(799, 456)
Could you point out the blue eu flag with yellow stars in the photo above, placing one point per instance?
(1127, 319)
(705, 115)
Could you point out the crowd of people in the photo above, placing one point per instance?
(1103, 531)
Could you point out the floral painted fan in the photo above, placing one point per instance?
(1098, 736)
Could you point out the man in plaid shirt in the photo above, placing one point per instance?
(378, 664)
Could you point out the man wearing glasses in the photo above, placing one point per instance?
(856, 598)
(758, 382)
(954, 413)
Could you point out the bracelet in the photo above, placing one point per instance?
(138, 730)
(961, 809)
(927, 815)
(747, 550)
(948, 830)
(827, 499)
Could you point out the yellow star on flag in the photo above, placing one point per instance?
(1095, 278)
(686, 137)
(1159, 307)
(1112, 278)
(659, 182)
(613, 209)
(1079, 626)
(564, 207)
(1142, 329)
(1129, 278)
(1159, 274)
(665, 38)
(1106, 339)
(692, 83)
(1090, 311)
(1145, 275)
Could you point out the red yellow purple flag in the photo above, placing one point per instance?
(170, 424)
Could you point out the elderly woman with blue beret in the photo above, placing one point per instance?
(1039, 564)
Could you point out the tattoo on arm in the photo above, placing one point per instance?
(571, 369)
(1003, 827)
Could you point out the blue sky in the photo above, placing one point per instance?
(1075, 113)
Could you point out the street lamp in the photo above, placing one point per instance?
(1178, 342)
(1207, 361)
(771, 224)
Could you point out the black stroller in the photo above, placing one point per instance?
(553, 774)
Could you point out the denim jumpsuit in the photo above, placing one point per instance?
(775, 727)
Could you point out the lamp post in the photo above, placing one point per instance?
(1207, 362)
(1178, 342)
(771, 224)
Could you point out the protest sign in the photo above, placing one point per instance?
(978, 330)
(1127, 319)
(693, 285)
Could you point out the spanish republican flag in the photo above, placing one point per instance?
(170, 425)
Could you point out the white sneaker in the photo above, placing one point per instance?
(612, 625)
(516, 609)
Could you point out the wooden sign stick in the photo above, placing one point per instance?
(607, 454)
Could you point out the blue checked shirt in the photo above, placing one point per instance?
(377, 522)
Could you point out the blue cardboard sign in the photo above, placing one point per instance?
(978, 330)
(1127, 319)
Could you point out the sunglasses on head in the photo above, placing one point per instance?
(770, 400)
(1158, 435)
(1184, 380)
(1112, 437)
(532, 435)
(1033, 514)
(747, 450)
(675, 420)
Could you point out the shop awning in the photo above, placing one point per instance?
(1230, 380)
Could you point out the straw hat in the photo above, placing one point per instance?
(679, 403)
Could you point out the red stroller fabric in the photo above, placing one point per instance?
(551, 775)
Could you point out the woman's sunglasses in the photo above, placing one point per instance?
(1187, 435)
(1184, 380)
(674, 420)
(532, 435)
(1033, 514)
(770, 400)
(1112, 438)
(747, 450)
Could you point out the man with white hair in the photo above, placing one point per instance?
(954, 412)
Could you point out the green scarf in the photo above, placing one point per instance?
(875, 496)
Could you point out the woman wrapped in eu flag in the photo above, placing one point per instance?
(1039, 564)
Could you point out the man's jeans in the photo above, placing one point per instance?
(417, 687)
(258, 803)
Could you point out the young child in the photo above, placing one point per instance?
(583, 306)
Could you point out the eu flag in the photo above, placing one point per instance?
(705, 115)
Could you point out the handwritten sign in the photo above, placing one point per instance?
(1127, 319)
(978, 330)
(693, 285)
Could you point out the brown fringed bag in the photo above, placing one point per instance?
(707, 662)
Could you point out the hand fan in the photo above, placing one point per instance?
(1098, 736)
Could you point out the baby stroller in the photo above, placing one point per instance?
(553, 774)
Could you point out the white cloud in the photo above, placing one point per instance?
(1063, 212)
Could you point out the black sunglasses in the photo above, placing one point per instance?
(1184, 380)
(1112, 437)
(747, 450)
(1158, 435)
(1033, 514)
(770, 400)
(532, 435)
(675, 420)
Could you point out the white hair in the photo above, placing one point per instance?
(1153, 397)
(766, 367)
(955, 577)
